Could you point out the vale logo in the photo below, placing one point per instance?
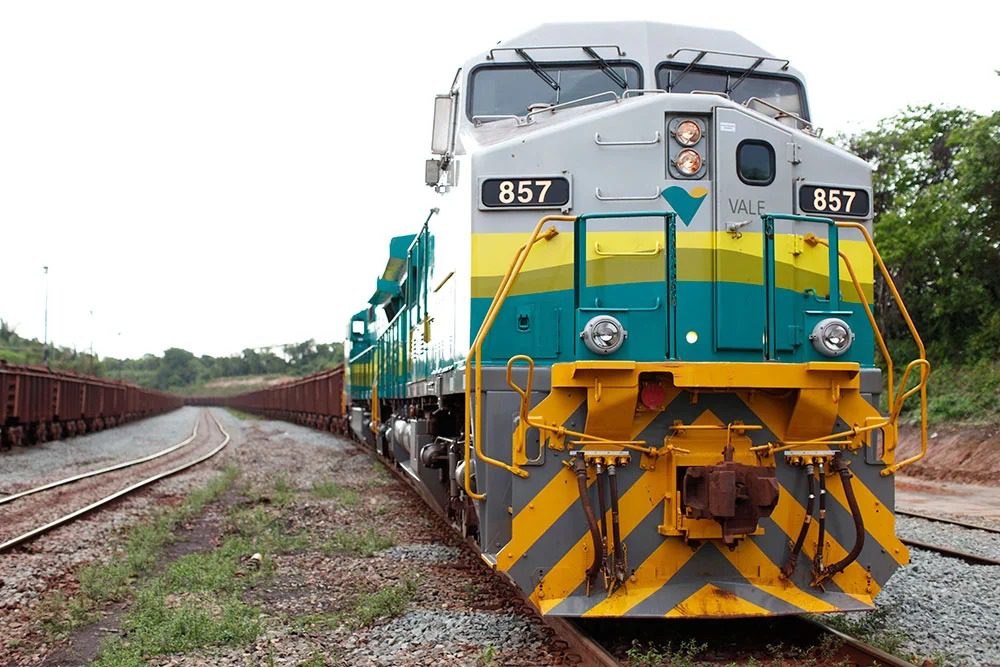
(684, 203)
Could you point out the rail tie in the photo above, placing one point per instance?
(72, 516)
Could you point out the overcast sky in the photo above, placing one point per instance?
(221, 175)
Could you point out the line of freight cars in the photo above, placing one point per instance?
(38, 404)
(316, 400)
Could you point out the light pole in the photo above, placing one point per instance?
(91, 341)
(45, 344)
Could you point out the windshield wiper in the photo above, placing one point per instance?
(745, 74)
(537, 69)
(607, 68)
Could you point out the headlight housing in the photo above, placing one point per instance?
(603, 334)
(832, 337)
(688, 162)
(688, 133)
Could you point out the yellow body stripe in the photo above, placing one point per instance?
(648, 579)
(538, 516)
(570, 572)
(748, 557)
(550, 266)
(710, 600)
(545, 508)
(492, 253)
(641, 498)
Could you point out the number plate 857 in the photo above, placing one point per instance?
(834, 201)
(546, 192)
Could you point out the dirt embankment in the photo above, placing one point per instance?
(968, 454)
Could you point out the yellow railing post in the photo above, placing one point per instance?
(476, 353)
(897, 398)
(374, 426)
(518, 446)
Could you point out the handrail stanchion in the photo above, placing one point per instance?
(475, 355)
(896, 395)
(925, 366)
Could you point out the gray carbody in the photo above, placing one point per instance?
(616, 153)
(627, 173)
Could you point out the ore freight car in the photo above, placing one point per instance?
(38, 404)
(316, 400)
(636, 336)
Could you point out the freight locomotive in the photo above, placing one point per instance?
(631, 351)
(38, 404)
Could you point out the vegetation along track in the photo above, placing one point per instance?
(105, 483)
(951, 550)
(785, 640)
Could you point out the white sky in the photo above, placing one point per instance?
(220, 175)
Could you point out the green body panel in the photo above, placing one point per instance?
(553, 330)
(695, 321)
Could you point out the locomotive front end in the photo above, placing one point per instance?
(670, 395)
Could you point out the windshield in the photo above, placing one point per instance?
(505, 90)
(779, 91)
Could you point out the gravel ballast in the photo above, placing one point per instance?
(423, 636)
(333, 496)
(48, 564)
(977, 542)
(947, 608)
(31, 465)
(355, 537)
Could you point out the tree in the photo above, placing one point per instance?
(179, 368)
(937, 227)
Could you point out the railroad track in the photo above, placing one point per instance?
(953, 522)
(944, 550)
(118, 493)
(806, 631)
(594, 653)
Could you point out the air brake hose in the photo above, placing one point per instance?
(820, 543)
(615, 528)
(793, 557)
(602, 506)
(580, 467)
(859, 525)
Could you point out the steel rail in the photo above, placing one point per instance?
(101, 471)
(590, 652)
(72, 516)
(589, 649)
(854, 647)
(973, 559)
(941, 519)
(881, 657)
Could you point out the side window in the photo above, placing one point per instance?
(755, 162)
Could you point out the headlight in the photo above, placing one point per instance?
(832, 337)
(603, 334)
(688, 133)
(688, 162)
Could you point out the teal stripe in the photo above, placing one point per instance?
(546, 325)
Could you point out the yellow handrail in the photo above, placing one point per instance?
(525, 393)
(895, 401)
(476, 353)
(375, 424)
(652, 252)
(588, 439)
(519, 446)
